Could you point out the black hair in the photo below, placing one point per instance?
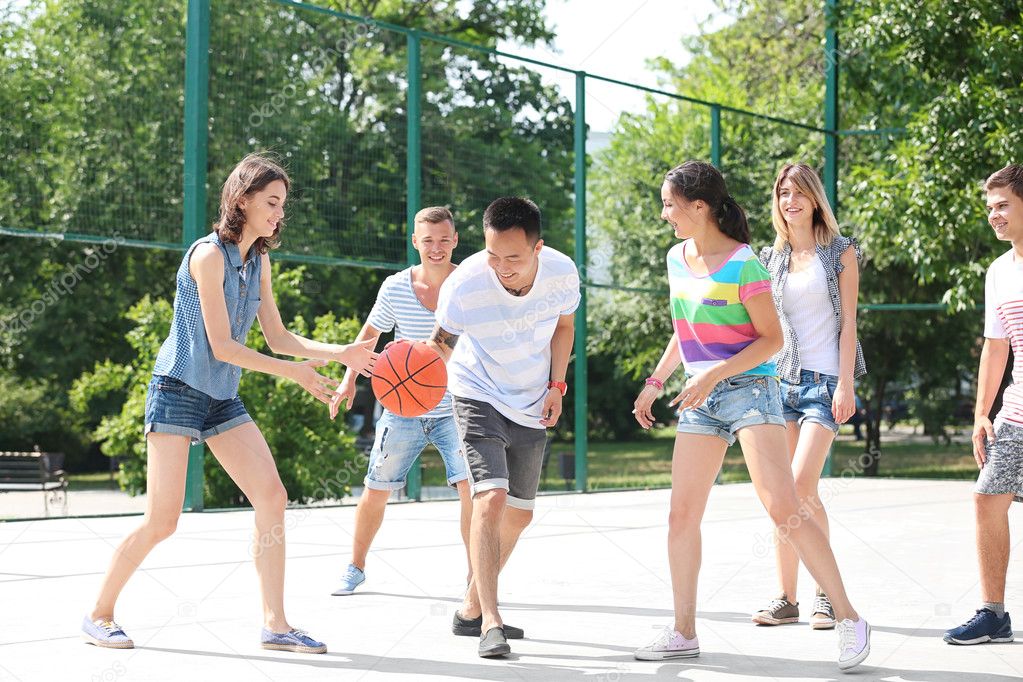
(510, 213)
(698, 180)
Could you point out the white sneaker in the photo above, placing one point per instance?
(669, 644)
(853, 643)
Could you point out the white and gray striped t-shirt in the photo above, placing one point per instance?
(397, 307)
(504, 355)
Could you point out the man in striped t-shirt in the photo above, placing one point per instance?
(998, 447)
(406, 304)
(512, 305)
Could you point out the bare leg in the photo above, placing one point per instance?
(764, 449)
(695, 463)
(369, 515)
(992, 544)
(491, 541)
(246, 457)
(167, 463)
(465, 522)
(807, 462)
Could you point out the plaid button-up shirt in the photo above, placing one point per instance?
(777, 263)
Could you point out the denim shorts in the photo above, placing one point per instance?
(398, 442)
(172, 406)
(810, 399)
(735, 403)
(501, 454)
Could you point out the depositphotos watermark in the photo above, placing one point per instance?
(60, 286)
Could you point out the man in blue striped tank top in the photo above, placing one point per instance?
(406, 304)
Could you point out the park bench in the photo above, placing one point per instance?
(41, 471)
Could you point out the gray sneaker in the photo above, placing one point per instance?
(823, 617)
(779, 612)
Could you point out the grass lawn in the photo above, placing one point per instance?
(91, 481)
(647, 463)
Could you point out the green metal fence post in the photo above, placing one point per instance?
(413, 186)
(197, 76)
(831, 127)
(581, 411)
(715, 135)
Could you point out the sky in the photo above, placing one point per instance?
(615, 38)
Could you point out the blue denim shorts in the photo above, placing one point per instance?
(810, 399)
(172, 406)
(398, 442)
(741, 401)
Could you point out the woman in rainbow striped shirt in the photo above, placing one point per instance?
(726, 331)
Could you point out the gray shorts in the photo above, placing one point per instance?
(1003, 463)
(500, 454)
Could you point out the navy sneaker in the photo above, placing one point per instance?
(985, 626)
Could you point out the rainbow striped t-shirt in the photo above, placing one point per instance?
(708, 312)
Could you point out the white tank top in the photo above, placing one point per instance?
(808, 307)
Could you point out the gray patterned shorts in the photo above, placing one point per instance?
(1003, 466)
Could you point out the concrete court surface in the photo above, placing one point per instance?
(588, 582)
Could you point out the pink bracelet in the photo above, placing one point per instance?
(651, 381)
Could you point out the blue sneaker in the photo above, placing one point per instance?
(105, 633)
(352, 578)
(985, 626)
(294, 640)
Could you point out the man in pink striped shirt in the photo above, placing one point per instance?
(998, 447)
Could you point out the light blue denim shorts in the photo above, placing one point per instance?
(735, 403)
(810, 399)
(398, 442)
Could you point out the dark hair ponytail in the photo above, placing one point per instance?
(698, 180)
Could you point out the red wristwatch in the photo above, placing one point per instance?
(560, 385)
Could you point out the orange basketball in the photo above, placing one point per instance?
(409, 378)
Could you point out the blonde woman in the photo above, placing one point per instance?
(815, 286)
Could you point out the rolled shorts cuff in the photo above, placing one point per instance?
(464, 476)
(173, 429)
(757, 420)
(483, 486)
(829, 424)
(382, 485)
(519, 503)
(706, 430)
(226, 426)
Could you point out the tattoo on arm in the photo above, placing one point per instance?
(444, 338)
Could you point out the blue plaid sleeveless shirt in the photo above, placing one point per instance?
(186, 354)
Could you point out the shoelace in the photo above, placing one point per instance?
(823, 605)
(664, 639)
(776, 605)
(976, 617)
(846, 635)
(111, 628)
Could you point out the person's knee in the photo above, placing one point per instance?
(159, 528)
(806, 490)
(684, 518)
(519, 518)
(786, 513)
(372, 497)
(989, 506)
(489, 505)
(272, 500)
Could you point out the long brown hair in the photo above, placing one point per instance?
(251, 175)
